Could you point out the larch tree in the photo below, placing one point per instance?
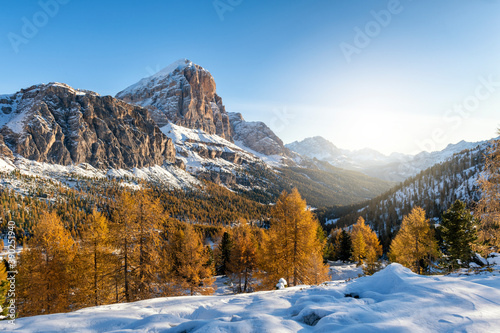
(4, 288)
(243, 259)
(150, 216)
(488, 207)
(414, 245)
(97, 257)
(190, 263)
(366, 246)
(139, 220)
(46, 275)
(294, 250)
(125, 231)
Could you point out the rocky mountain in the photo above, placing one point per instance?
(62, 134)
(395, 167)
(257, 136)
(183, 93)
(57, 124)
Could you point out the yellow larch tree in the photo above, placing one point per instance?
(414, 245)
(366, 247)
(293, 250)
(243, 258)
(97, 257)
(488, 207)
(46, 275)
(190, 263)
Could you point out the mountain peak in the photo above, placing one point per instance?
(185, 94)
(181, 63)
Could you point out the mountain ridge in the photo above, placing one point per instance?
(395, 167)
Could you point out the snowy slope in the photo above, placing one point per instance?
(166, 174)
(392, 300)
(203, 152)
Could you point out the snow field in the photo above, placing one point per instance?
(392, 300)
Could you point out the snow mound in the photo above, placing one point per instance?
(392, 300)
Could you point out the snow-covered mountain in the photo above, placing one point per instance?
(60, 134)
(257, 136)
(183, 93)
(361, 160)
(57, 124)
(395, 167)
(434, 189)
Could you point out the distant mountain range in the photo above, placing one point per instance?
(434, 189)
(173, 128)
(395, 167)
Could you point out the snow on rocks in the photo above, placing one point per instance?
(393, 299)
(165, 174)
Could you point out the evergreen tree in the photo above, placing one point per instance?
(223, 254)
(345, 246)
(414, 245)
(458, 230)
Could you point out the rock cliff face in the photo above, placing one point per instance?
(183, 93)
(57, 124)
(257, 136)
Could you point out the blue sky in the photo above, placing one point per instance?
(424, 76)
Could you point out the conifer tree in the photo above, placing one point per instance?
(138, 222)
(414, 245)
(458, 230)
(243, 259)
(125, 230)
(96, 253)
(4, 287)
(366, 246)
(190, 262)
(345, 246)
(46, 275)
(149, 218)
(293, 251)
(223, 254)
(488, 207)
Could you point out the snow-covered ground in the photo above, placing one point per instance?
(392, 300)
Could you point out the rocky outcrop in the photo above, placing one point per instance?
(57, 124)
(257, 136)
(183, 93)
